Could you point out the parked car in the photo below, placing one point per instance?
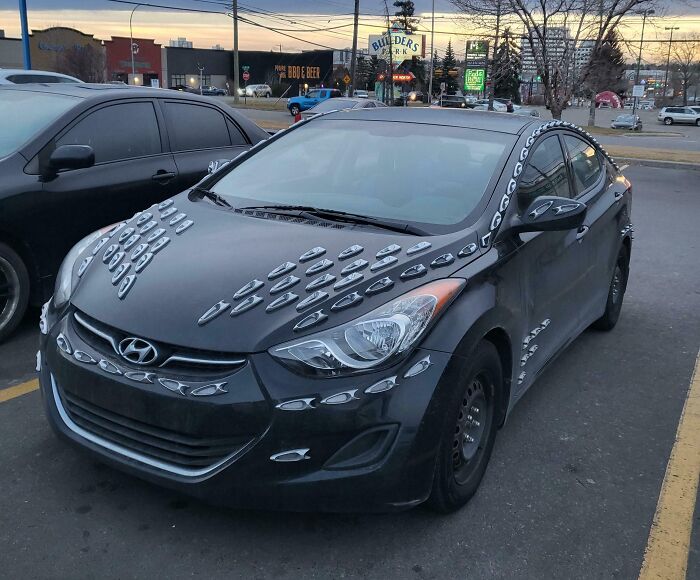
(360, 94)
(526, 112)
(18, 76)
(630, 122)
(696, 109)
(75, 157)
(497, 105)
(296, 105)
(256, 91)
(505, 102)
(452, 102)
(329, 323)
(212, 91)
(341, 104)
(685, 115)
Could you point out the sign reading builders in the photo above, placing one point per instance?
(402, 44)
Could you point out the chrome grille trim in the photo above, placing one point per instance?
(202, 361)
(85, 324)
(141, 458)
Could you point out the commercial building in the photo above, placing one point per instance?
(556, 43)
(69, 51)
(146, 62)
(10, 52)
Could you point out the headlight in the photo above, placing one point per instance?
(65, 280)
(376, 339)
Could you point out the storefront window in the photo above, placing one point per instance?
(178, 80)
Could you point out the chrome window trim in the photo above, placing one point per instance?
(123, 451)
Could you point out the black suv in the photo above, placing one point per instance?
(328, 322)
(76, 157)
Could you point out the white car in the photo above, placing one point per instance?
(19, 76)
(500, 107)
(360, 94)
(671, 115)
(258, 91)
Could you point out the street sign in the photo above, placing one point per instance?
(246, 76)
(638, 91)
(347, 79)
(474, 79)
(476, 54)
(404, 77)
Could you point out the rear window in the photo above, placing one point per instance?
(400, 171)
(26, 113)
(193, 127)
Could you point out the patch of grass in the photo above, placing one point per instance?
(262, 105)
(676, 155)
(272, 125)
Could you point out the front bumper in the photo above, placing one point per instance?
(371, 452)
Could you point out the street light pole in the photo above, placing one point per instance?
(25, 34)
(432, 54)
(131, 46)
(236, 65)
(668, 57)
(639, 58)
(353, 56)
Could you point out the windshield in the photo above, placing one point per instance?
(629, 118)
(25, 113)
(332, 105)
(407, 172)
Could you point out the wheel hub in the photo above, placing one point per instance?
(617, 284)
(471, 422)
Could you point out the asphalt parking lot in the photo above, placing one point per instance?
(571, 491)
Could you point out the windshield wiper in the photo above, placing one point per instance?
(344, 216)
(201, 192)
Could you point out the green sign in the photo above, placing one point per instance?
(474, 79)
(245, 67)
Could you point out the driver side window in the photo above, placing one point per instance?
(544, 174)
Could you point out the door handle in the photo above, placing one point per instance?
(582, 231)
(162, 175)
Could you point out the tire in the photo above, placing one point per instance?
(14, 290)
(267, 95)
(697, 123)
(668, 121)
(616, 293)
(461, 464)
(294, 110)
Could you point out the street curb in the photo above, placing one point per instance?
(657, 163)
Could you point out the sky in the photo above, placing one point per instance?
(314, 23)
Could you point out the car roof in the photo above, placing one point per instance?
(5, 72)
(484, 120)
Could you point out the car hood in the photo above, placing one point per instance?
(186, 293)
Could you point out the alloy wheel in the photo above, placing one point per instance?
(9, 292)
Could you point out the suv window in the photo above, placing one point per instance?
(194, 126)
(313, 94)
(336, 93)
(115, 132)
(545, 173)
(585, 164)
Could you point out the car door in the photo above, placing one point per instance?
(551, 264)
(310, 99)
(132, 170)
(596, 186)
(199, 133)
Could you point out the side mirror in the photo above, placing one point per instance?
(71, 157)
(550, 213)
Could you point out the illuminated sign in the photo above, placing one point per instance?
(403, 45)
(299, 72)
(474, 79)
(477, 51)
(403, 77)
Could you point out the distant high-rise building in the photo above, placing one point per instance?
(216, 47)
(556, 43)
(180, 42)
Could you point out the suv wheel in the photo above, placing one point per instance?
(668, 121)
(294, 110)
(14, 290)
(616, 293)
(697, 123)
(469, 431)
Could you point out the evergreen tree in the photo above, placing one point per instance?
(404, 15)
(507, 65)
(606, 69)
(449, 63)
(362, 73)
(372, 71)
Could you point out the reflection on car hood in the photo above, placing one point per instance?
(237, 283)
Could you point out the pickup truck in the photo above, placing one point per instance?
(304, 102)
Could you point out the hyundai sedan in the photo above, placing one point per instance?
(343, 317)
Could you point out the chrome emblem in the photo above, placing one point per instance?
(249, 288)
(444, 260)
(320, 282)
(347, 301)
(353, 266)
(414, 272)
(125, 286)
(281, 270)
(114, 262)
(139, 251)
(143, 218)
(99, 245)
(312, 253)
(168, 212)
(120, 272)
(348, 280)
(391, 249)
(143, 262)
(165, 204)
(380, 285)
(319, 266)
(383, 263)
(148, 227)
(209, 390)
(160, 244)
(137, 351)
(283, 284)
(246, 304)
(310, 320)
(125, 234)
(213, 312)
(419, 247)
(312, 299)
(183, 226)
(154, 235)
(283, 300)
(84, 265)
(350, 252)
(109, 252)
(131, 241)
(178, 218)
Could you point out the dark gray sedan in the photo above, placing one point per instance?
(630, 122)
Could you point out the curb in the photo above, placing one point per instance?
(657, 163)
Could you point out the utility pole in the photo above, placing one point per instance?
(236, 67)
(390, 76)
(432, 54)
(493, 60)
(201, 73)
(639, 58)
(668, 57)
(353, 57)
(131, 46)
(596, 50)
(25, 34)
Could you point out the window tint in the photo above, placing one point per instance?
(196, 127)
(545, 173)
(585, 164)
(237, 137)
(117, 132)
(313, 94)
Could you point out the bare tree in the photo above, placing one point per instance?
(85, 62)
(686, 59)
(552, 30)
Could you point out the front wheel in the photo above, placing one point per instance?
(469, 430)
(294, 110)
(616, 293)
(697, 123)
(14, 290)
(668, 121)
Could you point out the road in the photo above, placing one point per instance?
(679, 137)
(570, 493)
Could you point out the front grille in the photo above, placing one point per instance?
(163, 445)
(105, 339)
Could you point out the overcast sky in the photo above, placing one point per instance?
(105, 19)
